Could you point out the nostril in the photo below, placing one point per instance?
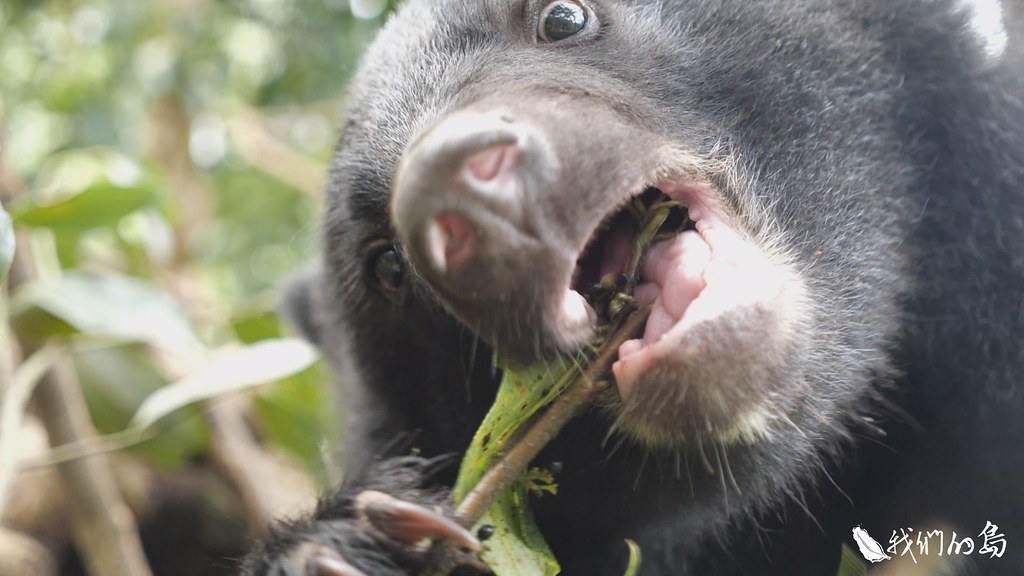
(491, 163)
(451, 241)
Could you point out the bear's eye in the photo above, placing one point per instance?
(561, 20)
(388, 270)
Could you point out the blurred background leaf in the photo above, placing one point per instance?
(237, 368)
(107, 306)
(161, 163)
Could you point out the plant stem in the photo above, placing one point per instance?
(508, 467)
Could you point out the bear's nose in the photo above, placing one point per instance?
(459, 197)
(452, 239)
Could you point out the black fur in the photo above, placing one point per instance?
(871, 140)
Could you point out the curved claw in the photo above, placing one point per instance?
(319, 560)
(411, 523)
(330, 566)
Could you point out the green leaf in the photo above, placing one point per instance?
(115, 381)
(235, 369)
(252, 326)
(850, 563)
(517, 546)
(102, 204)
(296, 414)
(6, 242)
(523, 392)
(635, 559)
(109, 306)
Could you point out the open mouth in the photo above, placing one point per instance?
(612, 261)
(698, 267)
(629, 249)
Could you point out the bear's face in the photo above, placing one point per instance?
(478, 190)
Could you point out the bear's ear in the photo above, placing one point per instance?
(299, 303)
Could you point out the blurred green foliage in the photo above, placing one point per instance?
(162, 163)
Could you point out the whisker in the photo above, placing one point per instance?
(704, 457)
(721, 471)
(728, 468)
(640, 470)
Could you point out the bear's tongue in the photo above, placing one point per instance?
(673, 277)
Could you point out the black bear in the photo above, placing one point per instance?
(836, 342)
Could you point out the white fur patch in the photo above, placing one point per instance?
(752, 427)
(987, 23)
